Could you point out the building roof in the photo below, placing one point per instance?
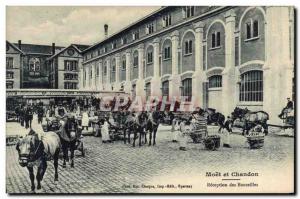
(37, 49)
(129, 26)
(78, 47)
(81, 47)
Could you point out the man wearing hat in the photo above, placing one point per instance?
(289, 107)
(60, 111)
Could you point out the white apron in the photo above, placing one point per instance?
(105, 131)
(85, 119)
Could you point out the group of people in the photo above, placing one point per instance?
(24, 115)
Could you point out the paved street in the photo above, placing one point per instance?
(119, 168)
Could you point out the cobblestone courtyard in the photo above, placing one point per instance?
(119, 168)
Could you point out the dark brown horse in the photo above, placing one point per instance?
(34, 151)
(69, 135)
(153, 120)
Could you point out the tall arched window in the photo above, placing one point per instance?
(113, 71)
(251, 88)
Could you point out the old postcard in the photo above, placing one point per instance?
(170, 99)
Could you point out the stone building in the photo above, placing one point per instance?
(65, 66)
(222, 56)
(26, 65)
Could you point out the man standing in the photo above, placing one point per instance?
(28, 116)
(40, 113)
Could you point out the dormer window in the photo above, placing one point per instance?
(167, 21)
(188, 11)
(149, 29)
(252, 30)
(124, 40)
(114, 45)
(136, 35)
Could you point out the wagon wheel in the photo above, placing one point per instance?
(210, 144)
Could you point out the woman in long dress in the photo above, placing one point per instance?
(85, 120)
(105, 131)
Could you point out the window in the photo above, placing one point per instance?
(252, 29)
(105, 69)
(251, 87)
(165, 89)
(167, 52)
(136, 35)
(188, 11)
(124, 63)
(133, 91)
(188, 47)
(9, 75)
(215, 81)
(114, 45)
(124, 40)
(135, 61)
(34, 67)
(71, 65)
(9, 62)
(113, 71)
(97, 71)
(167, 21)
(255, 28)
(215, 39)
(70, 85)
(91, 73)
(105, 49)
(187, 88)
(9, 84)
(149, 57)
(149, 29)
(148, 90)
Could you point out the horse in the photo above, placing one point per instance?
(34, 151)
(139, 124)
(68, 134)
(246, 119)
(213, 117)
(128, 125)
(154, 119)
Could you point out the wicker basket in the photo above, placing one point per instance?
(256, 142)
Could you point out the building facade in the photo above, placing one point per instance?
(65, 66)
(36, 66)
(26, 65)
(219, 57)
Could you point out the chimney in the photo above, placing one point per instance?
(105, 31)
(53, 48)
(19, 44)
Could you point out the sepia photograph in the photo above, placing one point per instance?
(160, 99)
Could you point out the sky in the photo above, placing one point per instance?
(70, 24)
